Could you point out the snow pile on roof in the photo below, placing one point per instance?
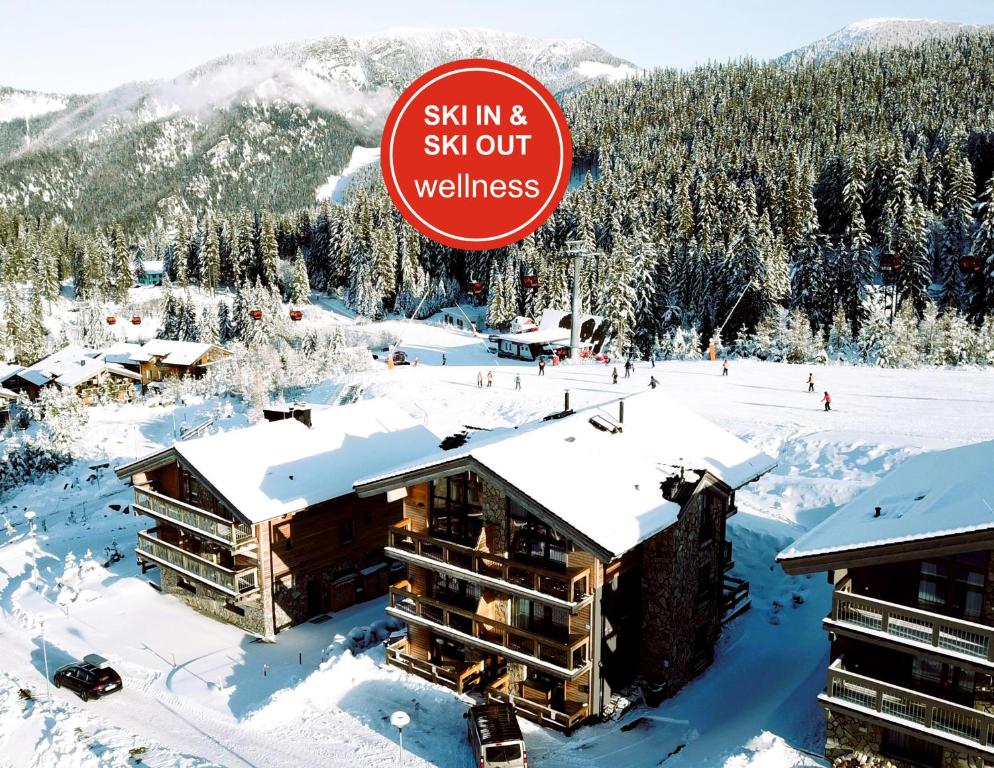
(6, 394)
(122, 353)
(69, 367)
(153, 266)
(275, 468)
(606, 484)
(172, 352)
(7, 370)
(929, 495)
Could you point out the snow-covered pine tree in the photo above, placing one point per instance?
(269, 257)
(300, 285)
(983, 253)
(121, 267)
(210, 259)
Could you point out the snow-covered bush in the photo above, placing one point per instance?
(25, 459)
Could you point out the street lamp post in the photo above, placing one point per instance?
(44, 655)
(399, 720)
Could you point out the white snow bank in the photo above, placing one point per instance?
(769, 751)
(18, 106)
(334, 188)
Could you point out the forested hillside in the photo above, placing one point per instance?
(803, 188)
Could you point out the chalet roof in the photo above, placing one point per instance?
(605, 485)
(173, 352)
(6, 394)
(69, 367)
(554, 326)
(275, 468)
(153, 266)
(122, 353)
(929, 496)
(8, 370)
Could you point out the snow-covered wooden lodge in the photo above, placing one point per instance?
(911, 628)
(260, 526)
(551, 335)
(85, 371)
(553, 565)
(161, 359)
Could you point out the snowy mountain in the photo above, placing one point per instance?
(263, 126)
(871, 34)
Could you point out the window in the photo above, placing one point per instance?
(449, 589)
(954, 586)
(504, 753)
(457, 509)
(706, 533)
(901, 746)
(530, 539)
(345, 534)
(541, 619)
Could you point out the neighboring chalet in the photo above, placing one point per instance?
(554, 565)
(80, 369)
(912, 621)
(123, 353)
(161, 359)
(260, 527)
(551, 336)
(151, 272)
(6, 398)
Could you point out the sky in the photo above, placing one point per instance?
(81, 46)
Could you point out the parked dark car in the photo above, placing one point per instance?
(87, 680)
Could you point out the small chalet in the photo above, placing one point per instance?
(6, 398)
(911, 629)
(260, 527)
(152, 272)
(80, 369)
(551, 336)
(554, 565)
(161, 359)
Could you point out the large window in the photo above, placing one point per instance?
(953, 586)
(532, 540)
(449, 589)
(457, 509)
(541, 619)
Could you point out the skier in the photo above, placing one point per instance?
(652, 359)
(541, 366)
(628, 368)
(827, 400)
(724, 367)
(614, 376)
(653, 382)
(443, 358)
(517, 381)
(490, 379)
(811, 382)
(479, 379)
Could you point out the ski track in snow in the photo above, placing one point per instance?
(194, 693)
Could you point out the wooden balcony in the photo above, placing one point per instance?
(935, 720)
(569, 589)
(457, 677)
(194, 519)
(536, 711)
(566, 660)
(912, 628)
(238, 582)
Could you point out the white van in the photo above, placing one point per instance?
(495, 736)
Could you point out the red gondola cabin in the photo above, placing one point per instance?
(256, 314)
(474, 287)
(969, 264)
(296, 314)
(530, 281)
(890, 263)
(111, 320)
(136, 320)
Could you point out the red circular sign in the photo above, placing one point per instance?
(476, 154)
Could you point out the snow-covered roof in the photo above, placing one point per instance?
(7, 394)
(69, 367)
(930, 495)
(172, 352)
(606, 485)
(540, 336)
(275, 468)
(153, 266)
(122, 353)
(550, 328)
(7, 370)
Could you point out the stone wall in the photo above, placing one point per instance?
(494, 519)
(674, 562)
(213, 604)
(851, 742)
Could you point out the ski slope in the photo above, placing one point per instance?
(201, 693)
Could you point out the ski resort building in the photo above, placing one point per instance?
(551, 335)
(554, 565)
(911, 629)
(161, 359)
(80, 369)
(260, 527)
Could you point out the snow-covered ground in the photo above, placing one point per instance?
(199, 693)
(334, 188)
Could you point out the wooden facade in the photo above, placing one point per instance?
(160, 368)
(911, 674)
(502, 598)
(264, 576)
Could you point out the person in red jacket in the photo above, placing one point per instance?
(827, 400)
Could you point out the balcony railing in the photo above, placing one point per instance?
(563, 659)
(535, 711)
(936, 718)
(569, 589)
(192, 518)
(911, 626)
(451, 676)
(233, 582)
